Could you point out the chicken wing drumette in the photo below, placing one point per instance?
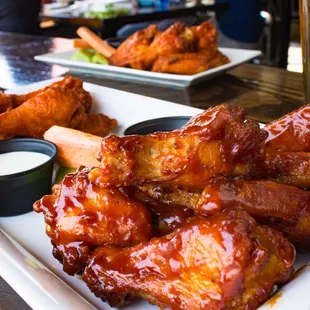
(80, 216)
(223, 262)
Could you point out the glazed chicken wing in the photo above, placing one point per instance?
(278, 205)
(291, 133)
(223, 262)
(80, 216)
(217, 142)
(133, 50)
(12, 101)
(291, 168)
(189, 63)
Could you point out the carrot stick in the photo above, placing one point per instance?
(80, 43)
(95, 42)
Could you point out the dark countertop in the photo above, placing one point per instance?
(265, 93)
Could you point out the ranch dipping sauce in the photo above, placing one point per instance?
(14, 162)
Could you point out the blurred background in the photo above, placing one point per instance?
(271, 26)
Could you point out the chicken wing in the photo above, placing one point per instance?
(54, 106)
(291, 133)
(129, 52)
(12, 101)
(215, 142)
(80, 216)
(172, 195)
(291, 168)
(223, 262)
(206, 36)
(189, 63)
(278, 205)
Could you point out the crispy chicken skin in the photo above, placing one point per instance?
(80, 216)
(54, 106)
(134, 49)
(217, 142)
(278, 205)
(291, 168)
(223, 262)
(12, 101)
(291, 133)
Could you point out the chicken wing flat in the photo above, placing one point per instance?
(223, 262)
(278, 205)
(215, 142)
(291, 133)
(96, 124)
(80, 216)
(133, 50)
(166, 217)
(12, 101)
(291, 168)
(189, 63)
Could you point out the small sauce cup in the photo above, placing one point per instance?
(18, 191)
(157, 124)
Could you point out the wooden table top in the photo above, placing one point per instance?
(266, 93)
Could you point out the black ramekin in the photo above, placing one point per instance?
(157, 124)
(20, 190)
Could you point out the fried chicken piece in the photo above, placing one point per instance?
(12, 101)
(278, 205)
(55, 106)
(166, 217)
(217, 142)
(172, 195)
(206, 36)
(291, 168)
(189, 63)
(130, 51)
(223, 262)
(80, 216)
(291, 133)
(96, 124)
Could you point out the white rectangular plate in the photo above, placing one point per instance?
(27, 264)
(236, 56)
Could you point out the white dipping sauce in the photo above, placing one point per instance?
(14, 162)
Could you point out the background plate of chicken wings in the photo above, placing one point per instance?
(26, 260)
(236, 57)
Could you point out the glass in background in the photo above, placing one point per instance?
(304, 17)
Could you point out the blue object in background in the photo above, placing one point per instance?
(162, 5)
(241, 20)
(145, 3)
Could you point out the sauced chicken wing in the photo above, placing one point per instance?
(11, 101)
(80, 216)
(278, 205)
(223, 262)
(215, 142)
(291, 168)
(134, 49)
(189, 63)
(291, 133)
